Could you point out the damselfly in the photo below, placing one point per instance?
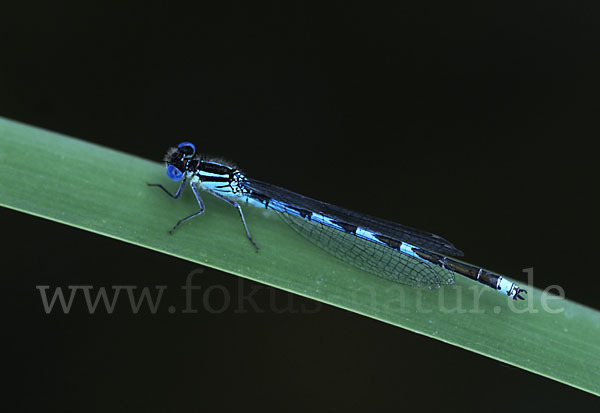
(392, 251)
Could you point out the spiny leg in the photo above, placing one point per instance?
(200, 204)
(237, 206)
(176, 194)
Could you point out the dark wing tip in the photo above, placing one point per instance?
(455, 251)
(446, 246)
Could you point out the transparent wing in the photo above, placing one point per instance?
(413, 236)
(369, 256)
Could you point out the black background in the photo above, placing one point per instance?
(475, 121)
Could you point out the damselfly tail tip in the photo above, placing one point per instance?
(517, 294)
(509, 288)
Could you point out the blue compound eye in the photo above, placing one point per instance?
(174, 173)
(187, 148)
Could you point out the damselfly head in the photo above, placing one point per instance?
(177, 160)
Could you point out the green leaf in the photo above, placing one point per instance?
(104, 191)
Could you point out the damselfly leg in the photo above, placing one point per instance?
(176, 195)
(236, 206)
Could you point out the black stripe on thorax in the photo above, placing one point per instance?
(209, 171)
(215, 168)
(211, 178)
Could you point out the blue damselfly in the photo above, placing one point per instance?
(392, 251)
